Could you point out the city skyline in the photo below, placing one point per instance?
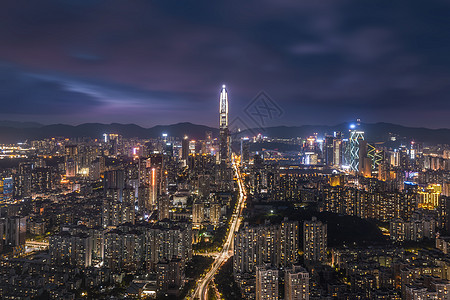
(228, 150)
(322, 63)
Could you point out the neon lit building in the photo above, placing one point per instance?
(356, 136)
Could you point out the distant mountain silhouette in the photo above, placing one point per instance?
(12, 132)
(15, 124)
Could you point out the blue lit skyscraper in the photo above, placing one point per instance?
(356, 136)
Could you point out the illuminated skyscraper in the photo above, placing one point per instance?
(185, 148)
(157, 178)
(23, 180)
(16, 228)
(338, 152)
(365, 163)
(328, 150)
(356, 135)
(245, 150)
(71, 160)
(224, 138)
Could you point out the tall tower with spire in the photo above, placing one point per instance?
(224, 136)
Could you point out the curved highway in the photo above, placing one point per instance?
(201, 291)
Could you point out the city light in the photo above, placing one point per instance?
(129, 170)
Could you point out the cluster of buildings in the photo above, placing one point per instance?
(404, 190)
(394, 273)
(85, 215)
(110, 208)
(267, 256)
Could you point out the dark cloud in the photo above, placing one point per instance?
(27, 93)
(164, 61)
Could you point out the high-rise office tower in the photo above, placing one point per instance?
(365, 163)
(16, 229)
(185, 148)
(157, 178)
(245, 150)
(345, 152)
(23, 182)
(114, 184)
(394, 158)
(314, 240)
(356, 136)
(224, 138)
(112, 143)
(193, 147)
(8, 187)
(143, 198)
(328, 150)
(71, 162)
(375, 155)
(97, 168)
(114, 179)
(208, 142)
(337, 149)
(296, 283)
(168, 149)
(266, 283)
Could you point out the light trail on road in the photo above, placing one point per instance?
(201, 291)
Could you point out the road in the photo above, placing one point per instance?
(201, 291)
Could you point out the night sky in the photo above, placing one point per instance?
(163, 62)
